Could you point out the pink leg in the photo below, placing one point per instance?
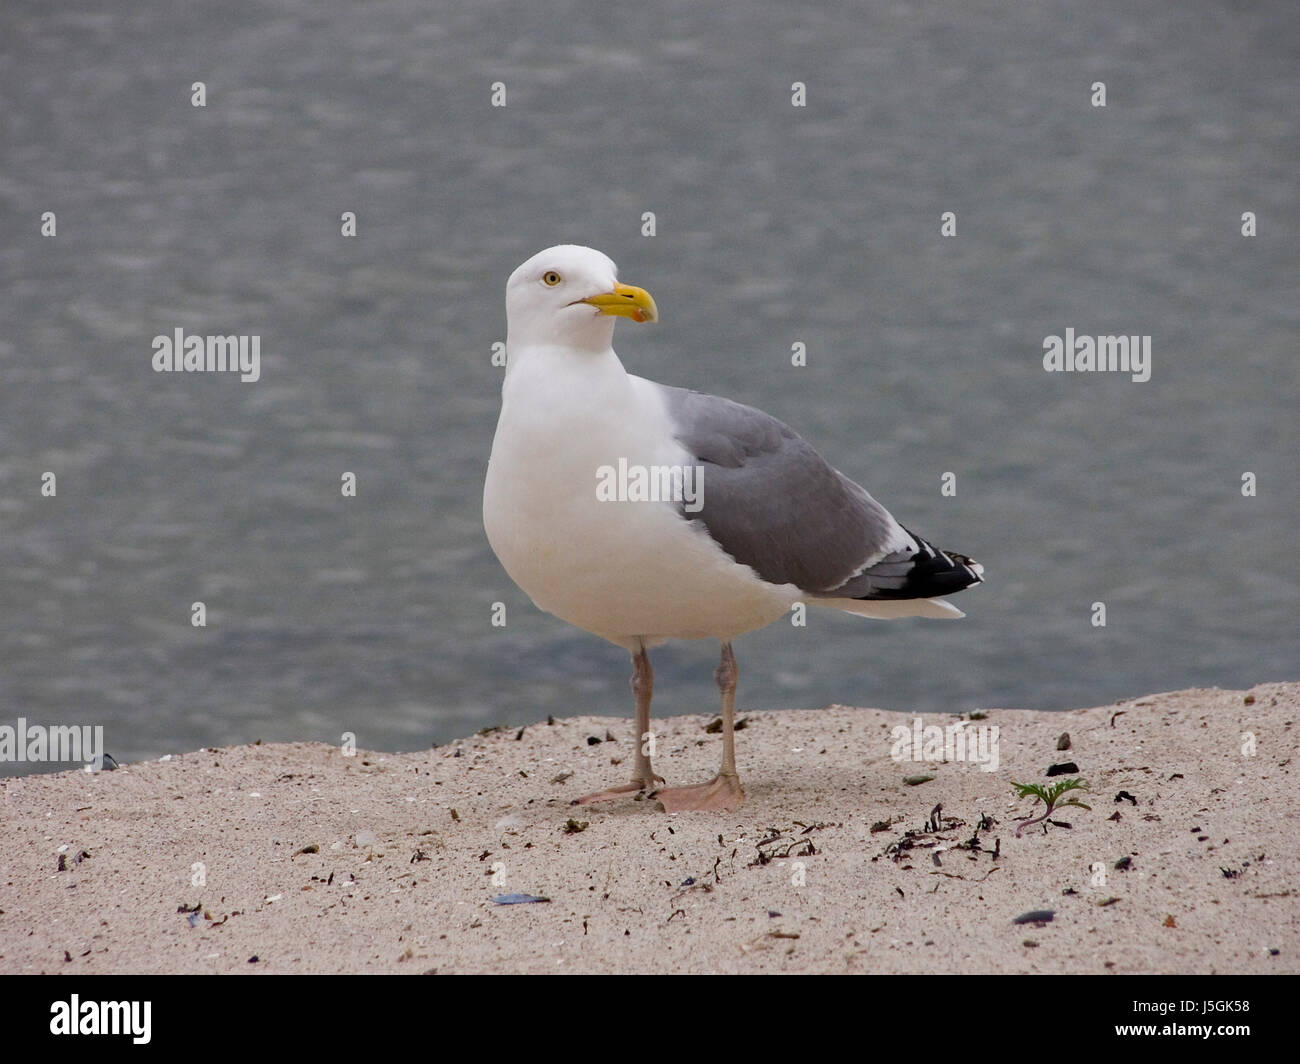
(723, 792)
(643, 777)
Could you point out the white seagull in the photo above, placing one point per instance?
(777, 524)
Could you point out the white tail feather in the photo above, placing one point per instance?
(886, 609)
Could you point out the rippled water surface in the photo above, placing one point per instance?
(775, 224)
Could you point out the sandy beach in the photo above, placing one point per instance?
(296, 858)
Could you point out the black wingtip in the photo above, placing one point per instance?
(934, 573)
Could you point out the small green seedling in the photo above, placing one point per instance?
(1051, 797)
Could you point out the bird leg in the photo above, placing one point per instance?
(723, 792)
(643, 777)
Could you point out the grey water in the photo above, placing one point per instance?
(774, 225)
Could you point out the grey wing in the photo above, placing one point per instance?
(774, 504)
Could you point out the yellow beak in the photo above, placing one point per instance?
(626, 301)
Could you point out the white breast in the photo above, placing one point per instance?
(623, 570)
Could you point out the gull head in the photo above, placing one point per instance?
(570, 296)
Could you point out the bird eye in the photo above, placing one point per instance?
(551, 278)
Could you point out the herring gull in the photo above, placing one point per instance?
(641, 512)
